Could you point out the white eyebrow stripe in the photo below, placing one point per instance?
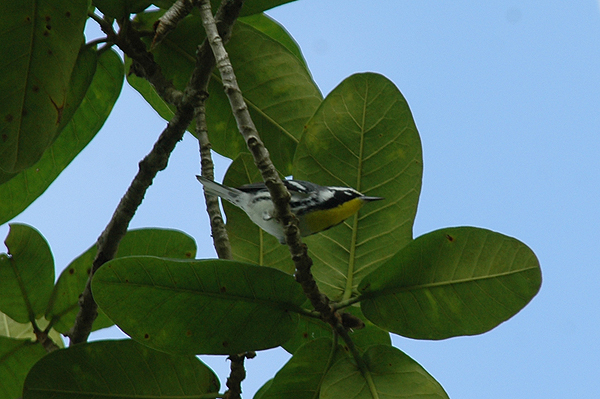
(299, 186)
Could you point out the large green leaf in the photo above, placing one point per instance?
(261, 392)
(81, 78)
(199, 307)
(450, 282)
(64, 305)
(250, 6)
(121, 8)
(276, 85)
(301, 377)
(119, 369)
(39, 43)
(389, 374)
(18, 193)
(273, 29)
(26, 274)
(17, 356)
(249, 243)
(363, 136)
(310, 328)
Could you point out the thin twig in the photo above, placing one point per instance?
(155, 161)
(143, 64)
(108, 242)
(169, 20)
(44, 339)
(279, 194)
(217, 226)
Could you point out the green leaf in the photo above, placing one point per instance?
(18, 193)
(119, 369)
(81, 79)
(277, 87)
(250, 6)
(26, 274)
(11, 329)
(121, 8)
(310, 328)
(17, 357)
(389, 374)
(249, 243)
(199, 307)
(64, 304)
(261, 392)
(39, 43)
(275, 31)
(82, 75)
(450, 282)
(363, 136)
(301, 377)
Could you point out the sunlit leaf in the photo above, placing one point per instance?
(11, 329)
(119, 369)
(18, 193)
(26, 274)
(39, 43)
(273, 29)
(363, 136)
(201, 306)
(64, 305)
(453, 281)
(393, 375)
(277, 87)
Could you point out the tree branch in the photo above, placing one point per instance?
(279, 194)
(217, 226)
(237, 375)
(155, 161)
(169, 20)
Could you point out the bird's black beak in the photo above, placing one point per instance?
(369, 199)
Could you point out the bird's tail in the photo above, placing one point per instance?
(211, 187)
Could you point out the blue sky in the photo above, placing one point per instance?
(506, 97)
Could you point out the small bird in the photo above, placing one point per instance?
(317, 208)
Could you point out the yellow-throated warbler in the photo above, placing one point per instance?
(317, 207)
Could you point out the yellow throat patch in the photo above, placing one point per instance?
(322, 220)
